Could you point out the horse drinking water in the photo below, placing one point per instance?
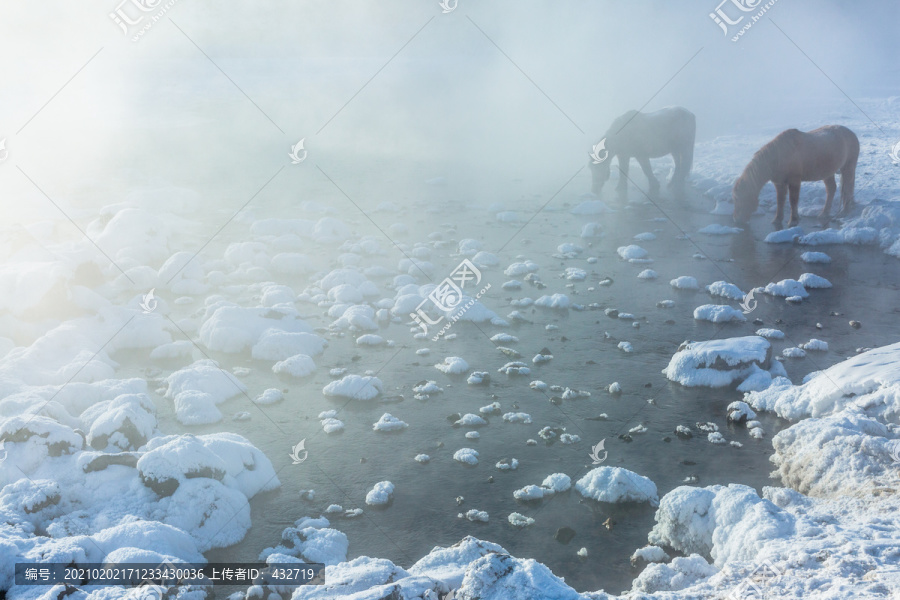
(644, 136)
(795, 156)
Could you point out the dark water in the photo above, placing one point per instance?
(424, 511)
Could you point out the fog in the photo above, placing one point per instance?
(483, 95)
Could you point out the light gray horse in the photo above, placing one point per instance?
(644, 136)
(793, 157)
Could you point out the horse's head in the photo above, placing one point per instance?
(745, 196)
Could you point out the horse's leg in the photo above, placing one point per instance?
(684, 159)
(622, 186)
(644, 161)
(848, 183)
(780, 193)
(830, 187)
(794, 192)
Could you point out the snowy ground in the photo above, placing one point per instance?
(118, 408)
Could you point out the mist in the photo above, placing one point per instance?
(223, 224)
(484, 95)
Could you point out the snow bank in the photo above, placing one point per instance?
(615, 484)
(718, 363)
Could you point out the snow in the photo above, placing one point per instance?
(278, 345)
(772, 334)
(197, 389)
(684, 282)
(553, 301)
(816, 345)
(380, 494)
(369, 339)
(354, 387)
(725, 290)
(388, 422)
(518, 417)
(787, 288)
(529, 493)
(715, 437)
(519, 520)
(471, 420)
(647, 274)
(784, 236)
(718, 313)
(653, 554)
(466, 455)
(863, 382)
(815, 258)
(332, 425)
(452, 365)
(813, 281)
(632, 252)
(475, 515)
(520, 268)
(299, 365)
(515, 368)
(557, 482)
(718, 363)
(231, 328)
(269, 396)
(793, 353)
(717, 229)
(589, 230)
(615, 484)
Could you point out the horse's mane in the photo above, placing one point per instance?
(621, 122)
(757, 171)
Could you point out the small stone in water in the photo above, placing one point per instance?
(564, 535)
(855, 324)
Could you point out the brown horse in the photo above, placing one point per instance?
(795, 156)
(644, 136)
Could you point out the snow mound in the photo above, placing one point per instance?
(787, 288)
(380, 494)
(725, 290)
(615, 484)
(717, 229)
(684, 282)
(466, 455)
(452, 365)
(718, 363)
(718, 313)
(389, 422)
(354, 387)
